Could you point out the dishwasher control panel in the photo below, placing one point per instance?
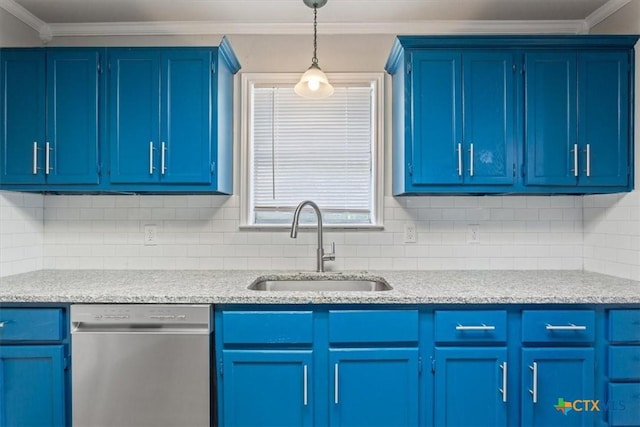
(141, 314)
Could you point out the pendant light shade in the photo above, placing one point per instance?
(314, 83)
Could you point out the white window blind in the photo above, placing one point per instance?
(309, 149)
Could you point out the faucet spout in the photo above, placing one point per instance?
(321, 257)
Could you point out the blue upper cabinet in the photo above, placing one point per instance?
(577, 119)
(50, 117)
(170, 119)
(147, 120)
(463, 108)
(516, 114)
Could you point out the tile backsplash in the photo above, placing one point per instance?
(597, 233)
(21, 232)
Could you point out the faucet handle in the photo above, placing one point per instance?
(330, 256)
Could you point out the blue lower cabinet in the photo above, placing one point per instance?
(558, 387)
(264, 388)
(470, 386)
(374, 387)
(32, 386)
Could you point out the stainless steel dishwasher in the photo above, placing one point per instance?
(142, 365)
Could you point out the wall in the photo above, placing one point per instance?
(612, 222)
(201, 232)
(15, 33)
(21, 232)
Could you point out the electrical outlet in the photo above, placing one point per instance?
(473, 234)
(150, 235)
(410, 233)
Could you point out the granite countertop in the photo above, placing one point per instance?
(230, 287)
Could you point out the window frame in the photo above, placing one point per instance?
(248, 80)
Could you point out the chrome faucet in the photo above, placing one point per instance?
(321, 257)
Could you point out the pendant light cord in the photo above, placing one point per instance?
(314, 60)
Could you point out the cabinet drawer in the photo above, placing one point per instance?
(562, 326)
(267, 327)
(359, 326)
(624, 404)
(624, 326)
(624, 363)
(31, 324)
(459, 326)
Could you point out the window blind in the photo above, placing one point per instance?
(310, 149)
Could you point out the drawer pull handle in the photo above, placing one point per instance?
(534, 389)
(569, 327)
(2, 323)
(482, 327)
(305, 393)
(503, 390)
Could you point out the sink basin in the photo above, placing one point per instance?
(321, 285)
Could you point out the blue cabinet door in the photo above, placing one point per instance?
(22, 135)
(470, 386)
(72, 116)
(463, 118)
(553, 377)
(186, 122)
(267, 388)
(551, 131)
(488, 111)
(32, 392)
(134, 115)
(374, 387)
(436, 85)
(603, 119)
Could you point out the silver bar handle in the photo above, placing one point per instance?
(588, 150)
(163, 150)
(503, 390)
(575, 160)
(35, 158)
(482, 327)
(534, 390)
(305, 393)
(470, 159)
(459, 159)
(151, 158)
(569, 327)
(47, 155)
(335, 383)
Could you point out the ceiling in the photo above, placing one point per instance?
(124, 17)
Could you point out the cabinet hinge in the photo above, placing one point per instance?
(67, 363)
(408, 67)
(221, 368)
(514, 170)
(410, 169)
(433, 366)
(213, 67)
(514, 67)
(419, 365)
(99, 168)
(99, 67)
(213, 168)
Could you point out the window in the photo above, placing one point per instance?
(325, 150)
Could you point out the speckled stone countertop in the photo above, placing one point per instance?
(230, 287)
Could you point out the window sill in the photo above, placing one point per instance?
(325, 227)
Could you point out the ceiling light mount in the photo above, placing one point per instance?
(314, 83)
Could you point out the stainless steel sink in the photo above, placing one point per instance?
(320, 285)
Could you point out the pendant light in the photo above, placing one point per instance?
(314, 83)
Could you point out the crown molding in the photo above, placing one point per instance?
(605, 11)
(28, 18)
(230, 28)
